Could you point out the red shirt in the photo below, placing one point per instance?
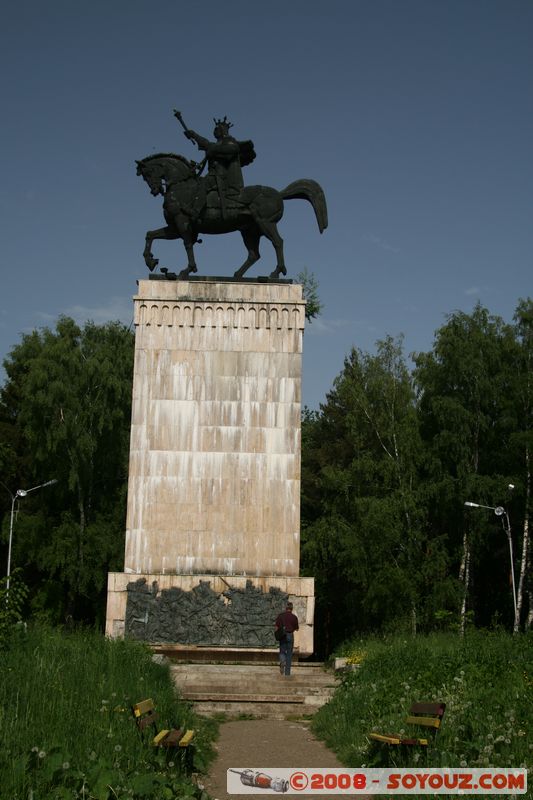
(289, 620)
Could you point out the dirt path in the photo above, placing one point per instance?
(260, 744)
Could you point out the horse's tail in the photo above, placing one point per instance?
(307, 189)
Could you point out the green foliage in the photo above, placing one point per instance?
(485, 679)
(387, 465)
(313, 306)
(362, 508)
(66, 406)
(472, 409)
(12, 601)
(66, 722)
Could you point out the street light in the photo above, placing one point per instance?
(506, 525)
(14, 497)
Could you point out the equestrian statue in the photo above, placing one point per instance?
(219, 202)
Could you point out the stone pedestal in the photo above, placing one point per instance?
(214, 473)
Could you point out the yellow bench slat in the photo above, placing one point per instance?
(379, 737)
(427, 722)
(187, 738)
(160, 736)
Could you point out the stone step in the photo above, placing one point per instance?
(213, 666)
(250, 683)
(253, 689)
(230, 697)
(243, 672)
(189, 692)
(259, 710)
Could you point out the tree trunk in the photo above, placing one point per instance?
(525, 547)
(464, 575)
(81, 537)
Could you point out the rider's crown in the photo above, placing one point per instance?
(224, 122)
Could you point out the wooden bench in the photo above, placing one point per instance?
(423, 715)
(146, 716)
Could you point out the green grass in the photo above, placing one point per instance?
(66, 725)
(486, 680)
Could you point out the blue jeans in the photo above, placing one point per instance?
(285, 652)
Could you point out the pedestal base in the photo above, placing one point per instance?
(216, 612)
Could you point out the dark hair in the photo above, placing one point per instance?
(289, 605)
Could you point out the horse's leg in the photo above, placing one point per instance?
(183, 226)
(270, 230)
(250, 237)
(160, 233)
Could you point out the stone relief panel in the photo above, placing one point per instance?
(234, 618)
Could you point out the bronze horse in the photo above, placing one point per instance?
(254, 212)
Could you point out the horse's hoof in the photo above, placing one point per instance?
(184, 274)
(152, 263)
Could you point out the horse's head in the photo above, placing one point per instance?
(152, 174)
(161, 170)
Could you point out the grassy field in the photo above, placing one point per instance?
(486, 680)
(66, 725)
(67, 731)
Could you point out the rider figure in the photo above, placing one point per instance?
(225, 158)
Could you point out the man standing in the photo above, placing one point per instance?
(289, 621)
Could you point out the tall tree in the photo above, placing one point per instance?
(364, 526)
(468, 418)
(522, 443)
(67, 403)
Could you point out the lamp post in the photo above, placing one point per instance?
(506, 525)
(14, 497)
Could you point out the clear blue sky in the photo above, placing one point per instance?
(416, 116)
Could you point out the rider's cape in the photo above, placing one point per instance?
(246, 152)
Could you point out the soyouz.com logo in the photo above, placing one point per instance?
(245, 780)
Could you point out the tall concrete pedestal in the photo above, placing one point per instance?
(213, 520)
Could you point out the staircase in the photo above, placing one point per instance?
(253, 689)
